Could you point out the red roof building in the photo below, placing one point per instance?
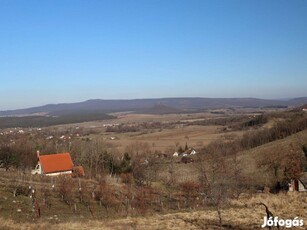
(53, 164)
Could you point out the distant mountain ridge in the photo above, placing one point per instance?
(159, 106)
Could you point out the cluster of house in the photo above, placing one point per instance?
(186, 155)
(63, 137)
(188, 152)
(17, 131)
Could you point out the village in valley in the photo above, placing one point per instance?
(142, 165)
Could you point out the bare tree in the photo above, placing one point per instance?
(66, 186)
(216, 181)
(190, 190)
(170, 179)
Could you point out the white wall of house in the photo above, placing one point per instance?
(301, 187)
(58, 173)
(38, 169)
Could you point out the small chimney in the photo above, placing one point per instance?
(37, 153)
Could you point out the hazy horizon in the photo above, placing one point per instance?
(71, 51)
(71, 102)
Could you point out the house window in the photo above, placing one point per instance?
(38, 167)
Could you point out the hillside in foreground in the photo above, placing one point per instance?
(276, 150)
(244, 213)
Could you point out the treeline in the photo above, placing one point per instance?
(214, 121)
(139, 127)
(255, 121)
(123, 129)
(41, 121)
(280, 130)
(295, 123)
(237, 122)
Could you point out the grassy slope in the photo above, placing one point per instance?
(250, 157)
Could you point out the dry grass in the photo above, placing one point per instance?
(243, 213)
(250, 157)
(195, 136)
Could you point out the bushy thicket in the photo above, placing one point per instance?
(252, 139)
(19, 154)
(281, 130)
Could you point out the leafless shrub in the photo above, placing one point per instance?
(219, 181)
(45, 193)
(190, 191)
(66, 186)
(105, 194)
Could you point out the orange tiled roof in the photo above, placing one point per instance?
(55, 162)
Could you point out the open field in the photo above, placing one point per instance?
(195, 136)
(161, 139)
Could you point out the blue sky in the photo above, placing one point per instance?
(69, 50)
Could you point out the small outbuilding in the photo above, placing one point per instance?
(299, 185)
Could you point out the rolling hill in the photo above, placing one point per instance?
(156, 106)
